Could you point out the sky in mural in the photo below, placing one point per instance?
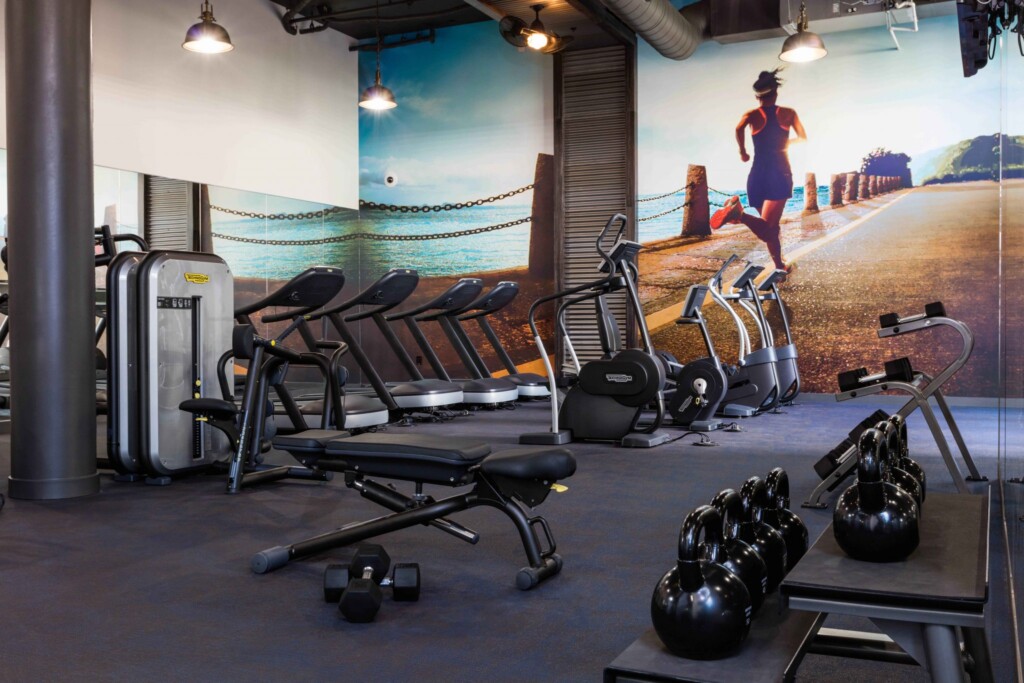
(865, 94)
(473, 113)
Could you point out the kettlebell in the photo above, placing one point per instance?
(700, 609)
(737, 556)
(903, 457)
(768, 542)
(778, 516)
(891, 472)
(874, 520)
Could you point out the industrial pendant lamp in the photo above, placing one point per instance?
(207, 36)
(377, 97)
(803, 46)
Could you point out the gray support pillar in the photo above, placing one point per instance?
(50, 216)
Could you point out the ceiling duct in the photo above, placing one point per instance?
(675, 34)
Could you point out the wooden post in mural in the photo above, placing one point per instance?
(835, 190)
(542, 221)
(697, 211)
(852, 184)
(863, 191)
(811, 194)
(873, 186)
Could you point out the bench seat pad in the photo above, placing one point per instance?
(309, 442)
(548, 464)
(411, 446)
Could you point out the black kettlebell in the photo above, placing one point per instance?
(904, 460)
(891, 472)
(768, 542)
(737, 556)
(778, 516)
(874, 520)
(700, 609)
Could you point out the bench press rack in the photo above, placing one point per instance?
(922, 388)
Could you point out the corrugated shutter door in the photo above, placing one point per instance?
(168, 213)
(597, 143)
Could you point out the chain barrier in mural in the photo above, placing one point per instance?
(437, 208)
(376, 237)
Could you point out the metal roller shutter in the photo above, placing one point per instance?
(168, 213)
(595, 137)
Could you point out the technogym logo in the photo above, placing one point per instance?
(197, 278)
(618, 378)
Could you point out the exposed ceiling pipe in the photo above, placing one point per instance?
(675, 34)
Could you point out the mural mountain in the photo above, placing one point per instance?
(978, 159)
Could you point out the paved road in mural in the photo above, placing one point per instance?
(910, 248)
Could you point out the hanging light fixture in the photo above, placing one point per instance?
(377, 97)
(207, 36)
(803, 46)
(537, 36)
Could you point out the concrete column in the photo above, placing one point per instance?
(811, 194)
(697, 212)
(836, 189)
(50, 232)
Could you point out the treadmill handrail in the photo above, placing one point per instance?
(368, 308)
(438, 302)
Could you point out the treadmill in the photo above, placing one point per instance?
(529, 384)
(478, 390)
(295, 300)
(415, 395)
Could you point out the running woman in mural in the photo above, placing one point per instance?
(770, 182)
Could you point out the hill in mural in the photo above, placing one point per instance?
(978, 159)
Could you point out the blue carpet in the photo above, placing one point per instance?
(146, 583)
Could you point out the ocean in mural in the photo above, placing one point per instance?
(377, 241)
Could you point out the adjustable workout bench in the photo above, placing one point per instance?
(503, 480)
(899, 376)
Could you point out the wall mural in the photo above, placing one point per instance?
(919, 222)
(455, 182)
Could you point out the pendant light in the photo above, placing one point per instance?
(377, 97)
(803, 46)
(207, 36)
(538, 37)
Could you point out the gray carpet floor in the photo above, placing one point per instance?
(152, 583)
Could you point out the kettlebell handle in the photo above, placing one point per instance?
(755, 497)
(730, 507)
(777, 483)
(870, 484)
(703, 519)
(901, 428)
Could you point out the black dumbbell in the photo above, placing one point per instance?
(356, 585)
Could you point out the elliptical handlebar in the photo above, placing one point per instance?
(716, 279)
(623, 222)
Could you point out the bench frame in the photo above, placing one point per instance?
(490, 490)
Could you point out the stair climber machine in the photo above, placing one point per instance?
(700, 385)
(612, 393)
(787, 369)
(753, 383)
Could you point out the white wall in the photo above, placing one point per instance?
(277, 115)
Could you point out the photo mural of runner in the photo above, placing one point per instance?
(879, 168)
(455, 182)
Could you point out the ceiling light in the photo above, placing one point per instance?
(207, 36)
(377, 97)
(803, 46)
(537, 36)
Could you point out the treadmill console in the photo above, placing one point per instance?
(622, 250)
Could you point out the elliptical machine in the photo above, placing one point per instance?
(753, 383)
(611, 394)
(787, 369)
